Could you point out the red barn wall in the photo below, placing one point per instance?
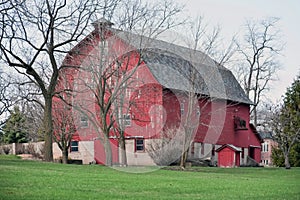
(155, 109)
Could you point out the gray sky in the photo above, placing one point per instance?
(231, 15)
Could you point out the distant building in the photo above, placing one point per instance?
(266, 148)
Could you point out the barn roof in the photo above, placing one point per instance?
(172, 66)
(175, 73)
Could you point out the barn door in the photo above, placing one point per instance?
(227, 158)
(252, 152)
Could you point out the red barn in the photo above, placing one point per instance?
(159, 84)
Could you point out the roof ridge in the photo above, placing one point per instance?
(212, 62)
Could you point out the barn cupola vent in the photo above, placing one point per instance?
(102, 23)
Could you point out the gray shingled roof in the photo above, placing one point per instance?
(265, 135)
(172, 66)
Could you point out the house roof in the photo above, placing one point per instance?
(265, 135)
(172, 66)
(234, 148)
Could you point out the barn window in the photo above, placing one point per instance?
(198, 111)
(127, 119)
(128, 92)
(239, 123)
(139, 145)
(84, 121)
(74, 146)
(139, 94)
(182, 108)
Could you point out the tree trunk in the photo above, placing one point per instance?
(108, 152)
(255, 116)
(183, 159)
(65, 155)
(48, 128)
(123, 152)
(287, 161)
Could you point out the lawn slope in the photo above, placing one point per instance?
(21, 179)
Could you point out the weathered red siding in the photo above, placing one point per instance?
(154, 108)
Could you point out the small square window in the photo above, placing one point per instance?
(198, 111)
(74, 146)
(84, 121)
(139, 145)
(127, 120)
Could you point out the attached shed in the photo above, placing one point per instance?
(228, 156)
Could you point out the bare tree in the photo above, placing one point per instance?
(5, 100)
(207, 44)
(14, 90)
(285, 138)
(64, 128)
(34, 37)
(65, 120)
(190, 64)
(106, 82)
(121, 111)
(107, 72)
(259, 53)
(168, 148)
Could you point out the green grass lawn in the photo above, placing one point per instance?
(21, 179)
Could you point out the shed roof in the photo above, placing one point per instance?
(234, 148)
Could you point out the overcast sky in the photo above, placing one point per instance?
(231, 15)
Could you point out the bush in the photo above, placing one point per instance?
(277, 157)
(42, 150)
(294, 157)
(20, 149)
(6, 149)
(166, 151)
(31, 150)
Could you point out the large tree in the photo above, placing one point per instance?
(285, 121)
(34, 37)
(259, 50)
